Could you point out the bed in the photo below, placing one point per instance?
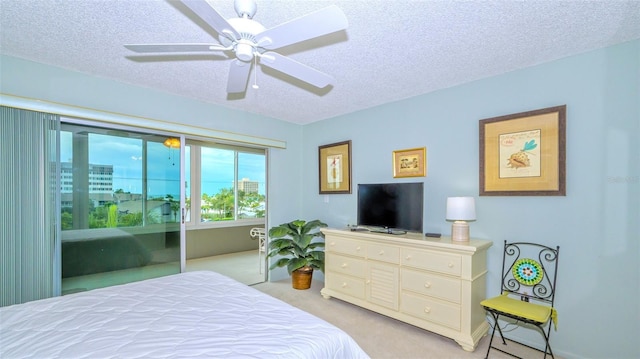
(188, 315)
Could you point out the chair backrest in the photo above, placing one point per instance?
(257, 232)
(529, 270)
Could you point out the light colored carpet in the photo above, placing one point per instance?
(380, 336)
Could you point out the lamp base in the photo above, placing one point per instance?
(460, 231)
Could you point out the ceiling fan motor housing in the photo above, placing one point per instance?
(246, 45)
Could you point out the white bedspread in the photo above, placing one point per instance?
(188, 315)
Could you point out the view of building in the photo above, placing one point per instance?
(248, 186)
(100, 184)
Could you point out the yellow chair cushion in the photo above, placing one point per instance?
(536, 312)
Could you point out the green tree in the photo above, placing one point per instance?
(131, 219)
(175, 207)
(66, 220)
(223, 202)
(251, 202)
(112, 216)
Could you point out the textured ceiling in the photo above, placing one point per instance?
(391, 50)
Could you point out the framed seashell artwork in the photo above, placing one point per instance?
(523, 154)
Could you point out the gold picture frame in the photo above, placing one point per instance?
(523, 154)
(410, 163)
(335, 168)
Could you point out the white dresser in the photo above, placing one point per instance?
(432, 283)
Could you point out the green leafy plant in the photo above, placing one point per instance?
(294, 241)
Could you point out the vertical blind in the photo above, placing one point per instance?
(29, 234)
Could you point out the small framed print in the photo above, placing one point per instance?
(410, 163)
(524, 154)
(335, 167)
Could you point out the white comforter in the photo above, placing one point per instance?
(188, 315)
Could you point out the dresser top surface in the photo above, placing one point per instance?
(416, 239)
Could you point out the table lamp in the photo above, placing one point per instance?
(460, 210)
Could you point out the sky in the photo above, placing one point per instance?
(126, 156)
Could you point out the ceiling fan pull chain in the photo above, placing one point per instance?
(255, 72)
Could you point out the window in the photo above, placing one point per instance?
(113, 178)
(231, 183)
(117, 179)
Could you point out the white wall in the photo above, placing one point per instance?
(596, 224)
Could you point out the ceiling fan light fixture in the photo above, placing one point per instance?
(172, 142)
(244, 51)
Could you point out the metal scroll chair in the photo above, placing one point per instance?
(259, 234)
(528, 291)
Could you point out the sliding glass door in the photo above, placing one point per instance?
(120, 206)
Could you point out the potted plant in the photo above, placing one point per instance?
(294, 241)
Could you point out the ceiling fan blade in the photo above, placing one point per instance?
(296, 69)
(238, 76)
(146, 48)
(211, 17)
(319, 23)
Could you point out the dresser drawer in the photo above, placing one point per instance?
(383, 253)
(431, 310)
(433, 261)
(346, 265)
(346, 246)
(351, 286)
(432, 285)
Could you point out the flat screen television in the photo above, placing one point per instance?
(391, 207)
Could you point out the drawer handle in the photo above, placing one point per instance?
(408, 257)
(333, 243)
(427, 285)
(450, 265)
(427, 310)
(344, 265)
(381, 253)
(358, 248)
(344, 285)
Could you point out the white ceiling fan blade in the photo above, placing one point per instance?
(319, 23)
(296, 69)
(238, 76)
(150, 48)
(211, 17)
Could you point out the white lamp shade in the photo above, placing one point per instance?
(461, 209)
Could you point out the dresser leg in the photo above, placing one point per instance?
(466, 346)
(324, 295)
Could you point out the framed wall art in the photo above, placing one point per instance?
(335, 167)
(523, 154)
(410, 163)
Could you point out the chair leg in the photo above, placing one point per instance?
(495, 325)
(496, 316)
(493, 332)
(547, 348)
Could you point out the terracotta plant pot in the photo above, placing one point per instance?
(301, 278)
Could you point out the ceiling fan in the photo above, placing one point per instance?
(252, 44)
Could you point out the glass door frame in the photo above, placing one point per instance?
(180, 224)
